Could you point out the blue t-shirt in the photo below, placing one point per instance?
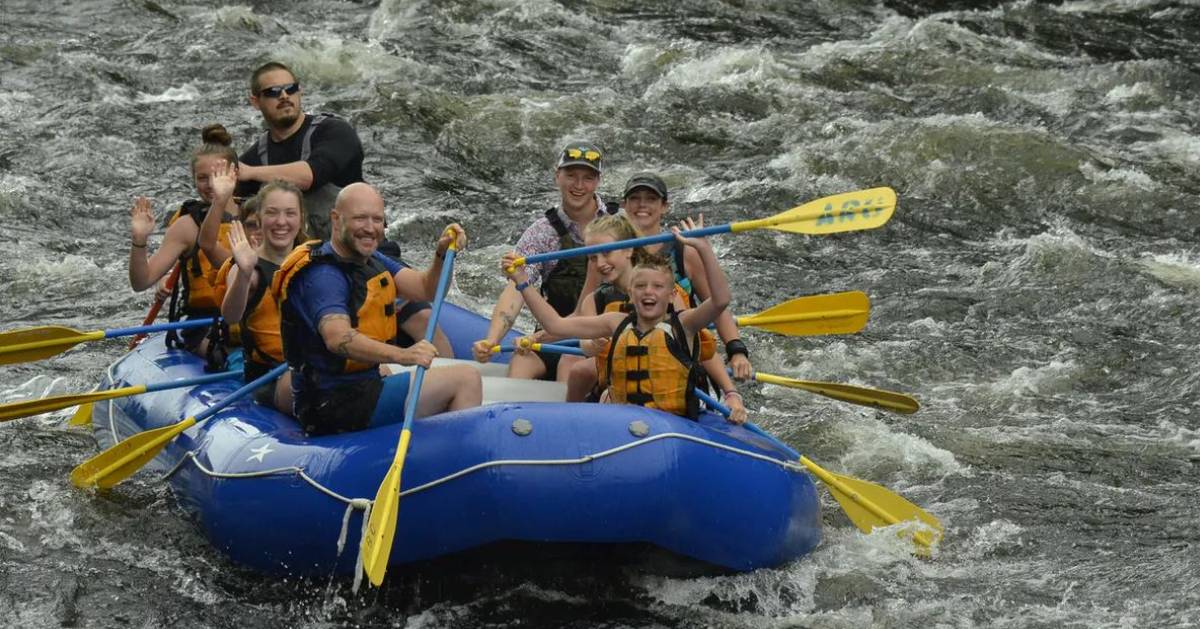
(320, 290)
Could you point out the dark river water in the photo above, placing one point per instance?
(1038, 289)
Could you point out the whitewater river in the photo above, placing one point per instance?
(1038, 288)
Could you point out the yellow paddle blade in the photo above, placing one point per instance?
(849, 211)
(82, 416)
(864, 396)
(869, 506)
(28, 408)
(381, 528)
(20, 346)
(839, 313)
(120, 461)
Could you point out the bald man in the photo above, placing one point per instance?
(337, 303)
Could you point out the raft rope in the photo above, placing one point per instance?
(364, 504)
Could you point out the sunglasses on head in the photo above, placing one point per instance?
(276, 91)
(591, 156)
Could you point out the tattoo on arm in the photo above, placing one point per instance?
(349, 336)
(343, 348)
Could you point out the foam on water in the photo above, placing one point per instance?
(1178, 270)
(173, 94)
(334, 62)
(1049, 379)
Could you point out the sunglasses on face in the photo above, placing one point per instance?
(591, 156)
(276, 91)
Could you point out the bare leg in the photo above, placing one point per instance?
(526, 366)
(581, 380)
(415, 326)
(450, 389)
(283, 393)
(565, 363)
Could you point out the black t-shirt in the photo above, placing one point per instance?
(336, 154)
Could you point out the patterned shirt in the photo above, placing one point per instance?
(540, 237)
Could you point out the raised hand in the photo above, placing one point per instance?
(224, 180)
(687, 224)
(141, 221)
(244, 255)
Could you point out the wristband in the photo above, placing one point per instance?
(736, 346)
(137, 246)
(522, 285)
(731, 392)
(441, 255)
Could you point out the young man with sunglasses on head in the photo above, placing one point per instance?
(576, 175)
(320, 153)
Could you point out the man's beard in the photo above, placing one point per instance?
(285, 121)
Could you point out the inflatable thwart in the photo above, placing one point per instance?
(524, 466)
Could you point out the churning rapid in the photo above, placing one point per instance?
(1038, 289)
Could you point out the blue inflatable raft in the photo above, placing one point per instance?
(525, 466)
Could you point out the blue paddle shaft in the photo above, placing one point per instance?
(724, 410)
(270, 376)
(187, 382)
(410, 406)
(626, 244)
(159, 327)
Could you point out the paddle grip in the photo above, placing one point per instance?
(159, 327)
(545, 347)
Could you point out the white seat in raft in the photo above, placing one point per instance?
(497, 388)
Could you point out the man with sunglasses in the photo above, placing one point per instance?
(321, 154)
(576, 175)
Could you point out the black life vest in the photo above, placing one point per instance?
(562, 285)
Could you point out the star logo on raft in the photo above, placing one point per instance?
(260, 452)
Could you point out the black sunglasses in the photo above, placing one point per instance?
(278, 90)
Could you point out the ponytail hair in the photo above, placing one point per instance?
(215, 141)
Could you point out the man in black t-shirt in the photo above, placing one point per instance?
(320, 153)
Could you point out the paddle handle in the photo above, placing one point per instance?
(724, 410)
(624, 244)
(542, 347)
(159, 327)
(187, 382)
(410, 405)
(245, 389)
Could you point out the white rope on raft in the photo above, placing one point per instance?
(364, 504)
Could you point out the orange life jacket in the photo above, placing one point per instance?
(609, 298)
(199, 276)
(372, 308)
(259, 325)
(656, 369)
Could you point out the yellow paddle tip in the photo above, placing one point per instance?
(82, 416)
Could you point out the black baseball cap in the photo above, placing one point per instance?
(581, 153)
(646, 180)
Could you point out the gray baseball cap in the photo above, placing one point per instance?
(646, 180)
